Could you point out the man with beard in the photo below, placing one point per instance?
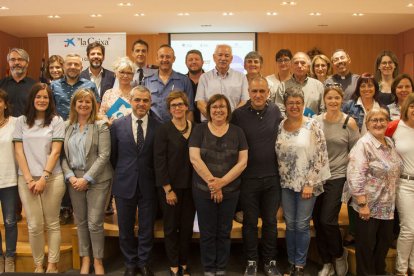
(341, 63)
(194, 62)
(103, 78)
(165, 80)
(63, 89)
(17, 85)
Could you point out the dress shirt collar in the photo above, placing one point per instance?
(91, 75)
(217, 73)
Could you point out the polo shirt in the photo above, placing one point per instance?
(18, 93)
(63, 92)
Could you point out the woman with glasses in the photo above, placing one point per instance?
(115, 101)
(373, 171)
(401, 88)
(303, 166)
(283, 63)
(321, 68)
(218, 153)
(364, 99)
(386, 69)
(173, 178)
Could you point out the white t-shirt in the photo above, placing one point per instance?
(37, 142)
(8, 168)
(403, 137)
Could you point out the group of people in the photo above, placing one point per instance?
(212, 143)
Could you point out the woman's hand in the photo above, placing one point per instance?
(307, 192)
(364, 212)
(217, 196)
(171, 198)
(215, 184)
(39, 186)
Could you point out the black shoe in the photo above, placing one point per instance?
(130, 271)
(66, 216)
(299, 271)
(185, 271)
(251, 269)
(270, 269)
(145, 271)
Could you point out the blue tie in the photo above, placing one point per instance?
(140, 135)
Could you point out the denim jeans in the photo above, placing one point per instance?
(297, 212)
(215, 221)
(8, 199)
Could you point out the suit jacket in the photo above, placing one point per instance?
(132, 168)
(98, 151)
(107, 82)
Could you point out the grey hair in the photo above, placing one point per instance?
(139, 88)
(21, 52)
(305, 55)
(223, 45)
(294, 92)
(254, 55)
(122, 63)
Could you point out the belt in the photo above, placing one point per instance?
(406, 176)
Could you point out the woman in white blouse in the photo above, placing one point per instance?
(38, 140)
(8, 184)
(303, 166)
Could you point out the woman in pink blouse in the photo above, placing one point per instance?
(373, 170)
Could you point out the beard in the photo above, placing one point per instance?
(96, 64)
(195, 72)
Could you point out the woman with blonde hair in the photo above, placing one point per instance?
(88, 173)
(321, 68)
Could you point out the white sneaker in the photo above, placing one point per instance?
(341, 264)
(327, 270)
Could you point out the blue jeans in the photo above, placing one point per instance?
(297, 212)
(215, 221)
(8, 199)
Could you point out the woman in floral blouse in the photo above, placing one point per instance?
(303, 167)
(373, 170)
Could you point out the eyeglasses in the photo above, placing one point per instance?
(322, 65)
(367, 76)
(337, 59)
(376, 121)
(127, 74)
(283, 60)
(14, 60)
(385, 63)
(222, 106)
(177, 105)
(294, 103)
(333, 85)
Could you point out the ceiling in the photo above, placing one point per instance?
(29, 18)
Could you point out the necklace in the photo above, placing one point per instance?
(184, 130)
(2, 123)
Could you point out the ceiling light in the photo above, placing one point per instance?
(89, 27)
(96, 15)
(322, 25)
(53, 16)
(139, 14)
(4, 8)
(357, 14)
(271, 13)
(288, 3)
(410, 5)
(127, 4)
(315, 14)
(183, 14)
(205, 25)
(228, 13)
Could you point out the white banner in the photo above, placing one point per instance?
(63, 44)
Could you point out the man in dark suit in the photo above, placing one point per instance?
(132, 139)
(104, 79)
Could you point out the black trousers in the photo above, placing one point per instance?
(260, 197)
(178, 225)
(325, 219)
(373, 238)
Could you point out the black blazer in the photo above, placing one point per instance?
(108, 79)
(132, 168)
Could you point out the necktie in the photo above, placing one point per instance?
(140, 135)
(140, 76)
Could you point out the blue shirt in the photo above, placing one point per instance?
(160, 91)
(62, 94)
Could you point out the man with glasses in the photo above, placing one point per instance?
(312, 88)
(104, 79)
(341, 64)
(165, 80)
(17, 85)
(276, 81)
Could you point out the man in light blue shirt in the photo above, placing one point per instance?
(222, 80)
(166, 80)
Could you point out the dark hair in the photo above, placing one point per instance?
(215, 98)
(404, 108)
(95, 44)
(314, 52)
(139, 41)
(5, 97)
(396, 82)
(394, 59)
(30, 111)
(52, 59)
(282, 53)
(365, 78)
(194, 51)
